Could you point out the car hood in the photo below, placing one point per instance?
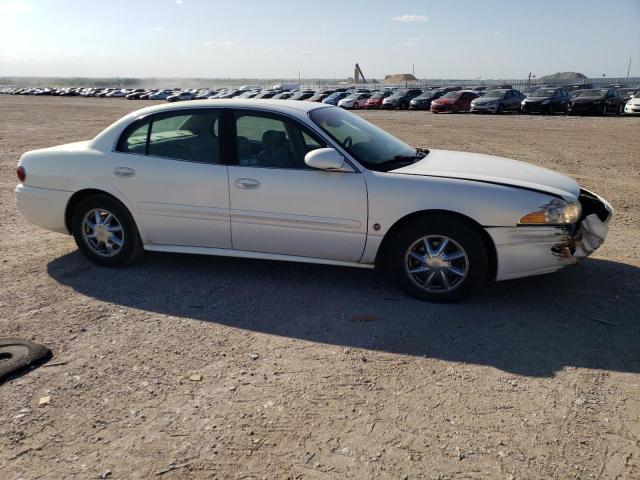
(487, 168)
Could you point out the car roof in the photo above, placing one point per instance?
(275, 105)
(105, 139)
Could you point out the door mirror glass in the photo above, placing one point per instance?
(324, 159)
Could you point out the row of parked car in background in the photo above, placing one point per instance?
(576, 99)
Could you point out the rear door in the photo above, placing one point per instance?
(168, 167)
(281, 206)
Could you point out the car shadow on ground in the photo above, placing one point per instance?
(583, 316)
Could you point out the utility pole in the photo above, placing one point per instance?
(629, 67)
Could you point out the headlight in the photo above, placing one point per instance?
(556, 212)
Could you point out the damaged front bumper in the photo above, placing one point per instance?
(532, 250)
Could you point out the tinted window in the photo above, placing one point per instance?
(191, 136)
(134, 138)
(272, 142)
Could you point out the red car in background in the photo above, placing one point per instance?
(375, 101)
(454, 102)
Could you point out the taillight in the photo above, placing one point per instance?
(22, 173)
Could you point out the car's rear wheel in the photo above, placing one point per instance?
(105, 231)
(438, 259)
(355, 106)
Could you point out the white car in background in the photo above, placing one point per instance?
(632, 107)
(354, 101)
(307, 182)
(116, 94)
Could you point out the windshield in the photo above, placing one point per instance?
(591, 93)
(368, 144)
(453, 95)
(637, 95)
(494, 94)
(426, 95)
(543, 92)
(626, 92)
(399, 93)
(378, 95)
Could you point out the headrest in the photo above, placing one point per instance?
(272, 139)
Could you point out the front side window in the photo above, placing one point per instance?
(272, 142)
(191, 136)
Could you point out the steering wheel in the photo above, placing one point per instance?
(347, 142)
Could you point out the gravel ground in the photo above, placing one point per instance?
(201, 367)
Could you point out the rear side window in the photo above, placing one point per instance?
(134, 138)
(184, 135)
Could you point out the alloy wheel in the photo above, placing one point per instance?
(102, 232)
(436, 263)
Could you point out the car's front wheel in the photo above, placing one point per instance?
(105, 231)
(439, 259)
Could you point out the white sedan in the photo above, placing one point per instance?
(633, 105)
(355, 101)
(307, 182)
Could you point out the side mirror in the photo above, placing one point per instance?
(324, 159)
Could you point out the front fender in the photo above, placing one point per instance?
(393, 197)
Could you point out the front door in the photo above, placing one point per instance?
(168, 167)
(281, 206)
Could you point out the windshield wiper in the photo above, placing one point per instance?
(419, 155)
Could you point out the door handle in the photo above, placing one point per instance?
(247, 183)
(124, 172)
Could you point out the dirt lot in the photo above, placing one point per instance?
(535, 378)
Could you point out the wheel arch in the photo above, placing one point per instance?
(383, 250)
(80, 195)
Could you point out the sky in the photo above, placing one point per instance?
(320, 39)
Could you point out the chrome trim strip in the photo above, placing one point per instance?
(268, 218)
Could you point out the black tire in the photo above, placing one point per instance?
(355, 106)
(620, 110)
(604, 110)
(404, 106)
(462, 234)
(131, 247)
(499, 109)
(456, 109)
(17, 355)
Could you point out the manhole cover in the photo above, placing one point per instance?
(17, 356)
